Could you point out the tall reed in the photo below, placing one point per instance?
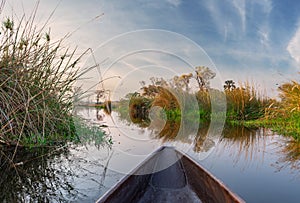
(284, 115)
(245, 103)
(36, 80)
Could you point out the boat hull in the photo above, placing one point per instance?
(169, 176)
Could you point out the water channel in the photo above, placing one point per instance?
(257, 164)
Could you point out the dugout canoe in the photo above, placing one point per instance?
(169, 175)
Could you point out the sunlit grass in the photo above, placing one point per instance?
(245, 103)
(282, 116)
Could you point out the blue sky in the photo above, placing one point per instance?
(255, 40)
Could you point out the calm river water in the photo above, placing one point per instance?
(258, 165)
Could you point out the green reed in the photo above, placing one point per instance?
(36, 84)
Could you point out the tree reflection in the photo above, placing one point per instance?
(202, 142)
(169, 131)
(175, 130)
(244, 145)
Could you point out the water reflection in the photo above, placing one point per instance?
(81, 172)
(245, 146)
(74, 172)
(172, 130)
(99, 115)
(202, 142)
(35, 178)
(290, 156)
(251, 146)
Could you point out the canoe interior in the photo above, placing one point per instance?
(169, 176)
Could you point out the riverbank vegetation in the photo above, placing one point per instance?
(245, 104)
(284, 115)
(37, 76)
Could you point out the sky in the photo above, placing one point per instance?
(244, 40)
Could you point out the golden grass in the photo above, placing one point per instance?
(245, 103)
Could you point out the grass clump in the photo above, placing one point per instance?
(36, 81)
(284, 115)
(244, 103)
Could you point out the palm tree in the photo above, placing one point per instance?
(229, 85)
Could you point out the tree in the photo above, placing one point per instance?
(150, 91)
(99, 94)
(203, 76)
(182, 82)
(176, 84)
(159, 81)
(185, 79)
(229, 85)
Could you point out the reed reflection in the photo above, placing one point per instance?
(246, 146)
(290, 156)
(249, 146)
(168, 130)
(38, 177)
(66, 174)
(54, 174)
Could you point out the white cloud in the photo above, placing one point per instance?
(217, 15)
(160, 4)
(240, 5)
(265, 4)
(175, 3)
(294, 47)
(229, 18)
(264, 37)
